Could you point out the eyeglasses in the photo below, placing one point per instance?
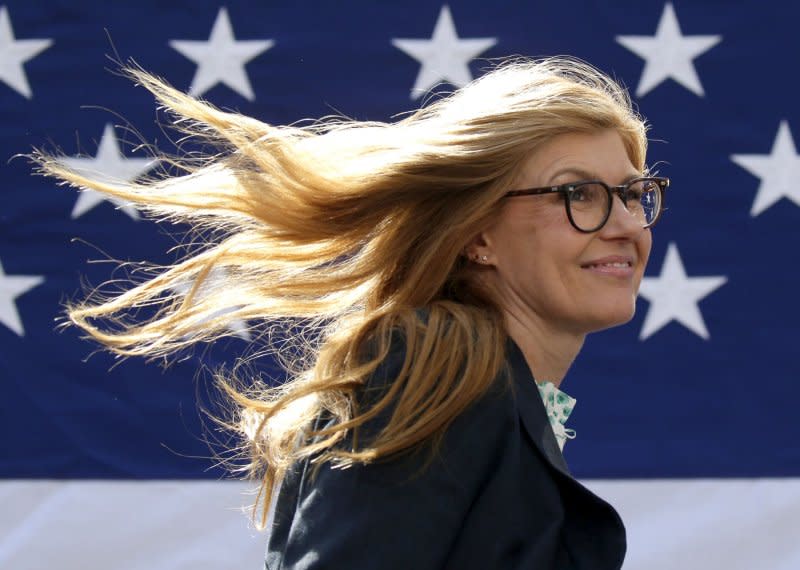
(588, 202)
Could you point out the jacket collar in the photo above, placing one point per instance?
(532, 409)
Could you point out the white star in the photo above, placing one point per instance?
(217, 278)
(669, 54)
(444, 56)
(13, 53)
(222, 58)
(779, 171)
(109, 165)
(11, 287)
(674, 296)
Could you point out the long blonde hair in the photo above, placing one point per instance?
(346, 228)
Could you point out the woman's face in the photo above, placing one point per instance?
(542, 267)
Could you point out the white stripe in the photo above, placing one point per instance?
(708, 524)
(703, 524)
(127, 525)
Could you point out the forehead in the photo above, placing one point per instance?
(598, 154)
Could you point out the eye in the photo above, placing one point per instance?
(579, 194)
(635, 192)
(586, 194)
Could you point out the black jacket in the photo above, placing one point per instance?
(499, 495)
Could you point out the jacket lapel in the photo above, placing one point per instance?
(532, 410)
(609, 536)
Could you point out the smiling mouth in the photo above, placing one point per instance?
(616, 264)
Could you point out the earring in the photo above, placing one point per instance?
(484, 259)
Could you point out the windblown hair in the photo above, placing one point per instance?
(356, 230)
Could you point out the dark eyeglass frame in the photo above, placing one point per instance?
(622, 191)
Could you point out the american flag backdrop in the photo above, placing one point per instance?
(687, 418)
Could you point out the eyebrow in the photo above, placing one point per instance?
(585, 175)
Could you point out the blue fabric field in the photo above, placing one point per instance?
(686, 417)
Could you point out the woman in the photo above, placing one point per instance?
(444, 271)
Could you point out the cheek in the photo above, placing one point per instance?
(533, 243)
(645, 247)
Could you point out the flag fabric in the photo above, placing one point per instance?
(686, 418)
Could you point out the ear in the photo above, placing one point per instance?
(478, 249)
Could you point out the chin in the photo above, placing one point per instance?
(619, 316)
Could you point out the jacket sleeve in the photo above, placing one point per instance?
(392, 514)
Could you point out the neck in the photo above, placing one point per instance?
(549, 352)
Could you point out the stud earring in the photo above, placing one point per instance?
(484, 258)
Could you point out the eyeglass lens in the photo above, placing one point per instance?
(590, 204)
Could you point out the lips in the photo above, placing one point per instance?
(615, 267)
(613, 261)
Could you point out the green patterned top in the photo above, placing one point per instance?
(559, 405)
